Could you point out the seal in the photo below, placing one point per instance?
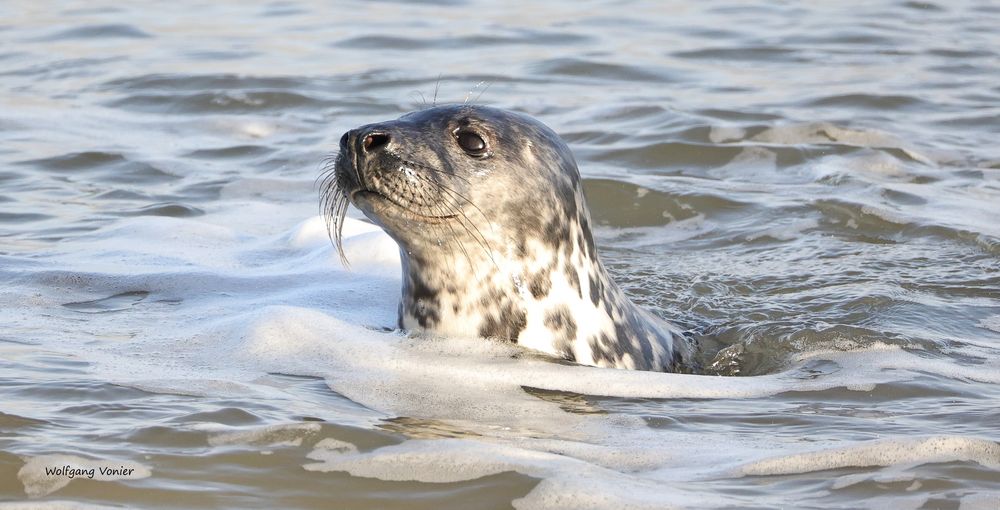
(494, 234)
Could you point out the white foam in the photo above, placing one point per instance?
(330, 448)
(253, 301)
(752, 164)
(824, 132)
(726, 134)
(886, 452)
(387, 370)
(286, 434)
(980, 501)
(566, 482)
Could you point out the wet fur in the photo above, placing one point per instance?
(497, 246)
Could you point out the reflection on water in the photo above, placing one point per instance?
(810, 190)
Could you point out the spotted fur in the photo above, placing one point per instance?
(495, 243)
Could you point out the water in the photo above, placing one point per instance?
(810, 188)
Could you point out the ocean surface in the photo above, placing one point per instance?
(810, 188)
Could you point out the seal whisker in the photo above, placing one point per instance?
(480, 238)
(333, 203)
(487, 87)
(338, 213)
(468, 224)
(473, 89)
(423, 100)
(451, 191)
(437, 85)
(328, 172)
(407, 159)
(454, 234)
(459, 214)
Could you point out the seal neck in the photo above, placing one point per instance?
(475, 292)
(451, 294)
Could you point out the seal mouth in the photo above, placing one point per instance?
(360, 197)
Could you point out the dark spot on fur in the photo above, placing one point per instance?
(588, 239)
(595, 349)
(556, 231)
(522, 245)
(422, 302)
(516, 320)
(540, 283)
(631, 339)
(595, 290)
(489, 327)
(561, 324)
(573, 278)
(605, 348)
(503, 320)
(560, 320)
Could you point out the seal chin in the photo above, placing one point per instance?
(381, 207)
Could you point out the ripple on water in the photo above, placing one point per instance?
(586, 69)
(225, 101)
(200, 82)
(518, 37)
(10, 423)
(624, 205)
(868, 102)
(172, 210)
(111, 167)
(75, 391)
(233, 152)
(768, 54)
(115, 303)
(109, 31)
(21, 218)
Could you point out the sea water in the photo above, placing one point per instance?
(810, 189)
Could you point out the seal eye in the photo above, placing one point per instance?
(471, 143)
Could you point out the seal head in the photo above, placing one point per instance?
(494, 235)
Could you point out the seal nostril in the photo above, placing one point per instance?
(375, 141)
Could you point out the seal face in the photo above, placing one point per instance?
(494, 233)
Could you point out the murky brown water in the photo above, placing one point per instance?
(812, 189)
